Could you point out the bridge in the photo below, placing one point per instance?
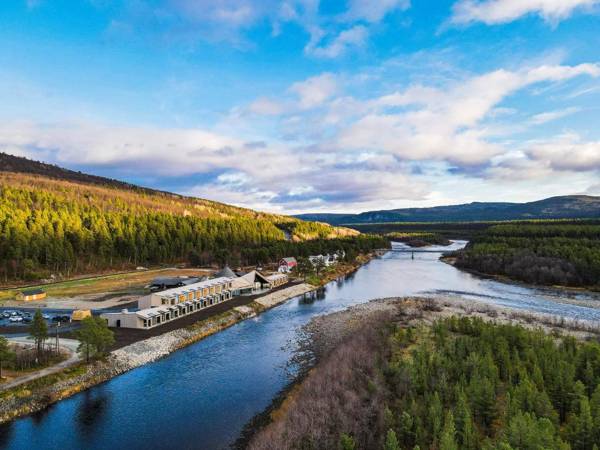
(405, 250)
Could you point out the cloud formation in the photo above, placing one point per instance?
(354, 37)
(493, 12)
(335, 150)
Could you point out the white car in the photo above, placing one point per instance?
(16, 319)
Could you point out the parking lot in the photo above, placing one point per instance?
(17, 320)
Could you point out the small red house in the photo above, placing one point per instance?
(287, 264)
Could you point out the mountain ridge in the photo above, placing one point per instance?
(557, 207)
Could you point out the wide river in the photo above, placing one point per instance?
(202, 396)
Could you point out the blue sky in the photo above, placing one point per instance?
(307, 105)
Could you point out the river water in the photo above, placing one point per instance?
(202, 396)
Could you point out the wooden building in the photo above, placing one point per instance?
(286, 265)
(31, 295)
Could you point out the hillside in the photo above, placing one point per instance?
(56, 221)
(565, 207)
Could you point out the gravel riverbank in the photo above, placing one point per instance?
(325, 335)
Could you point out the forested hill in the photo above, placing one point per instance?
(56, 221)
(565, 207)
(16, 164)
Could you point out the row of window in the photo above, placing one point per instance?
(186, 310)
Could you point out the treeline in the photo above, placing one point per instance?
(418, 239)
(54, 227)
(462, 383)
(274, 251)
(449, 230)
(459, 230)
(542, 253)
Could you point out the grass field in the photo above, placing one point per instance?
(126, 283)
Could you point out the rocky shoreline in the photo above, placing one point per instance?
(40, 394)
(35, 396)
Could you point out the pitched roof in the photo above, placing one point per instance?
(289, 260)
(225, 272)
(255, 276)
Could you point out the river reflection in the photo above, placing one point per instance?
(202, 396)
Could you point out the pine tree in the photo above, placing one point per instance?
(347, 442)
(39, 331)
(391, 441)
(6, 354)
(448, 440)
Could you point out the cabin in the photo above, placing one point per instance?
(31, 295)
(326, 260)
(161, 307)
(286, 265)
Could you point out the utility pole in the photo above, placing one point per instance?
(57, 338)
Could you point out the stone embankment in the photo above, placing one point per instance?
(38, 395)
(275, 298)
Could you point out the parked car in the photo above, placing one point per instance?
(60, 318)
(46, 316)
(16, 319)
(27, 319)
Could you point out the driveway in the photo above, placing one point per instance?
(68, 345)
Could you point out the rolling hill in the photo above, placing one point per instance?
(57, 221)
(564, 207)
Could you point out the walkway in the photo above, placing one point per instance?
(70, 345)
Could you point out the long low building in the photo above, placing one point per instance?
(165, 306)
(277, 279)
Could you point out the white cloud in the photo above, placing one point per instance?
(493, 12)
(266, 107)
(354, 37)
(316, 90)
(593, 190)
(269, 177)
(550, 116)
(447, 124)
(373, 10)
(567, 153)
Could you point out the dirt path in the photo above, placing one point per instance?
(68, 345)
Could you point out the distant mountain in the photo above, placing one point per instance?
(565, 207)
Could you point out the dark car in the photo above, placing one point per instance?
(61, 318)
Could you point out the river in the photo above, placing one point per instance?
(202, 396)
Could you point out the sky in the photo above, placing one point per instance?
(310, 105)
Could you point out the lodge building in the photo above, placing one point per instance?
(165, 306)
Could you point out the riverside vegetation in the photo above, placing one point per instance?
(456, 383)
(547, 253)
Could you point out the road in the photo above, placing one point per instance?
(68, 345)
